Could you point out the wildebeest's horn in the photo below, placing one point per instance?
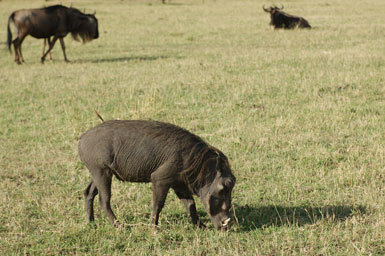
(281, 7)
(266, 10)
(93, 12)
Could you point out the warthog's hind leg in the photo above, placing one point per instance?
(102, 179)
(89, 195)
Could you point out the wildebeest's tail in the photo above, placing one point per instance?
(9, 33)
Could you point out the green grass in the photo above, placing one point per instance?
(300, 114)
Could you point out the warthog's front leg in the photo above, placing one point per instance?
(159, 194)
(161, 180)
(188, 201)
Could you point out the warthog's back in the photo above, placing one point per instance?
(133, 149)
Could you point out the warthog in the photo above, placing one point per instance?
(280, 19)
(165, 155)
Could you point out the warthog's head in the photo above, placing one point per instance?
(216, 195)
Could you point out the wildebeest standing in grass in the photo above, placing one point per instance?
(54, 21)
(163, 154)
(280, 19)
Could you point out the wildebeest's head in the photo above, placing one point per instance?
(214, 185)
(272, 9)
(85, 26)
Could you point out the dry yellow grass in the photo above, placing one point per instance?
(300, 114)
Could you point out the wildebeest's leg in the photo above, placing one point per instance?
(17, 45)
(45, 40)
(63, 47)
(89, 195)
(49, 49)
(44, 43)
(102, 180)
(187, 199)
(21, 34)
(20, 54)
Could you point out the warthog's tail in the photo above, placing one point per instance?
(9, 33)
(100, 117)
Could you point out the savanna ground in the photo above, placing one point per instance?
(300, 114)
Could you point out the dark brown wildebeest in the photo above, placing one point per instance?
(280, 19)
(54, 21)
(165, 155)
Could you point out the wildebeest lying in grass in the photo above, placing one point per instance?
(165, 155)
(54, 21)
(280, 19)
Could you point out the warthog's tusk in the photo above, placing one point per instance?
(224, 224)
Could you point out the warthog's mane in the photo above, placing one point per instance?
(201, 160)
(198, 171)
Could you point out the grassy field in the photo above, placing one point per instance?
(300, 115)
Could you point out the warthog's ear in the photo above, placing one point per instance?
(229, 182)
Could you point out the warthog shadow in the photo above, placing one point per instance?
(250, 218)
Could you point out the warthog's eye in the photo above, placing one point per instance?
(225, 190)
(215, 205)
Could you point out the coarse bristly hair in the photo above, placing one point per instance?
(83, 34)
(198, 173)
(81, 31)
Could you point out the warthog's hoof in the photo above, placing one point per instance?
(116, 224)
(201, 225)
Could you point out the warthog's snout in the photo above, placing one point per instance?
(225, 222)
